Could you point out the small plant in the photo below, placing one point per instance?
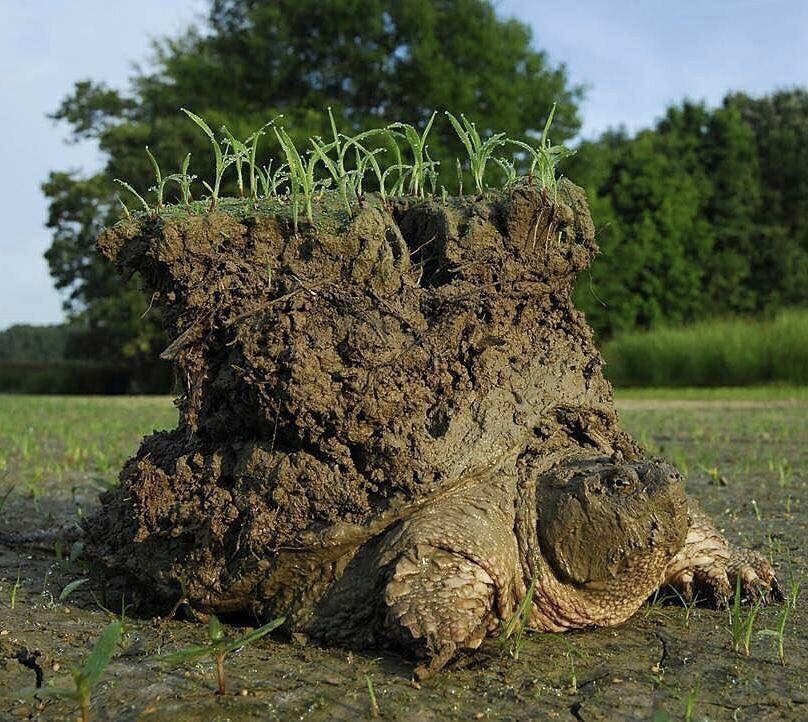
(690, 703)
(571, 659)
(219, 647)
(137, 195)
(14, 589)
(688, 605)
(270, 181)
(422, 165)
(223, 158)
(374, 705)
(779, 632)
(480, 151)
(346, 160)
(742, 623)
(159, 181)
(246, 151)
(72, 587)
(516, 625)
(509, 169)
(184, 179)
(87, 677)
(545, 158)
(302, 180)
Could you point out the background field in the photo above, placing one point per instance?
(745, 455)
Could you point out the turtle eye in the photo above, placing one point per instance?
(621, 483)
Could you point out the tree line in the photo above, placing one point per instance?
(703, 214)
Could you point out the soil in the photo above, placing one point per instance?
(664, 659)
(334, 377)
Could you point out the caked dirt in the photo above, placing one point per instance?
(334, 377)
(664, 660)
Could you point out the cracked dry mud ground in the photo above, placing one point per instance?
(733, 452)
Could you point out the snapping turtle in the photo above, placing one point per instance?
(392, 426)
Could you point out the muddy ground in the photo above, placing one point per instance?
(667, 661)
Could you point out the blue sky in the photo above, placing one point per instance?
(634, 57)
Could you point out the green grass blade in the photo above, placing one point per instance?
(155, 165)
(72, 587)
(101, 655)
(256, 634)
(137, 195)
(201, 123)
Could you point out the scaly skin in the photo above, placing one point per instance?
(598, 535)
(708, 564)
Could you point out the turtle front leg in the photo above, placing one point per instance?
(708, 563)
(438, 603)
(453, 572)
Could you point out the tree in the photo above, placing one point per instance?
(779, 126)
(703, 215)
(373, 61)
(33, 343)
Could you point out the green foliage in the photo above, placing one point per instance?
(85, 678)
(545, 158)
(33, 343)
(48, 442)
(218, 647)
(301, 179)
(480, 152)
(778, 634)
(713, 353)
(703, 215)
(515, 627)
(741, 623)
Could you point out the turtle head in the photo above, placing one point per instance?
(608, 530)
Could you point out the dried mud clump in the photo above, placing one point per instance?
(331, 378)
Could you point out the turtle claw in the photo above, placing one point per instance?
(758, 581)
(777, 593)
(710, 564)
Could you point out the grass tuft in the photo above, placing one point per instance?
(394, 158)
(86, 678)
(218, 647)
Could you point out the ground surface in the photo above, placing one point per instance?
(746, 455)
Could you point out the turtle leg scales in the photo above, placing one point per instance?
(439, 603)
(709, 564)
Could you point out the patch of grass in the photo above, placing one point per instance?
(545, 157)
(374, 704)
(222, 158)
(55, 443)
(218, 647)
(742, 622)
(691, 699)
(12, 597)
(779, 632)
(345, 161)
(734, 352)
(85, 678)
(515, 627)
(480, 151)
